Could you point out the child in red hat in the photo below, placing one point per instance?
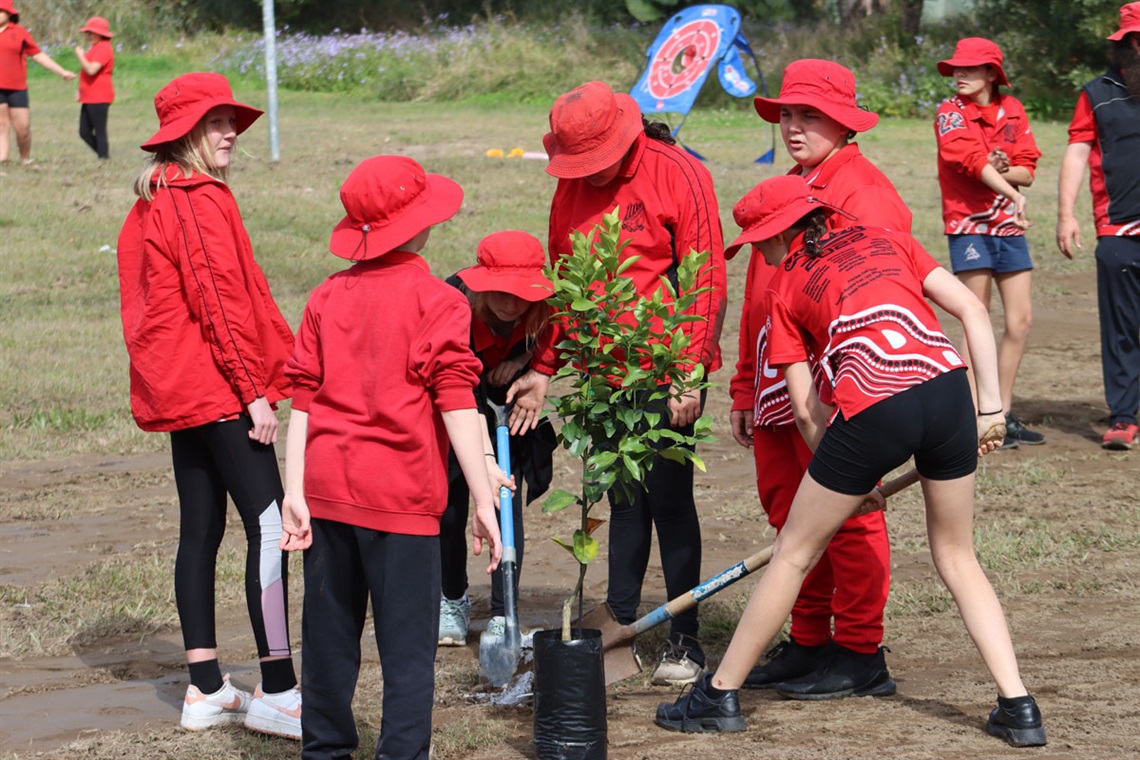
(507, 291)
(986, 153)
(855, 300)
(208, 347)
(96, 91)
(834, 648)
(384, 378)
(16, 47)
(606, 156)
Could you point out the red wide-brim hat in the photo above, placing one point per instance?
(772, 207)
(510, 262)
(591, 129)
(823, 85)
(974, 51)
(181, 104)
(388, 200)
(6, 6)
(1129, 21)
(98, 25)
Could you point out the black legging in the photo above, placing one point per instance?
(453, 541)
(209, 462)
(664, 500)
(93, 127)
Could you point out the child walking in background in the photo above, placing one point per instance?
(208, 348)
(506, 290)
(96, 91)
(855, 299)
(834, 648)
(16, 47)
(384, 378)
(986, 153)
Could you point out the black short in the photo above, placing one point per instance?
(934, 422)
(14, 98)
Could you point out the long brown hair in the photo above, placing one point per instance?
(534, 319)
(190, 153)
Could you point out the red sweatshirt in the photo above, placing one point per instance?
(382, 351)
(204, 335)
(668, 208)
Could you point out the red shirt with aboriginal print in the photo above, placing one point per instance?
(967, 133)
(859, 308)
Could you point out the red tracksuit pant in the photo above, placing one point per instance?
(853, 577)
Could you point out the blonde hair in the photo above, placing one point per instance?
(191, 153)
(533, 320)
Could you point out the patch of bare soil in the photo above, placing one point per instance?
(1071, 598)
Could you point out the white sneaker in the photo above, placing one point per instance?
(676, 667)
(278, 714)
(454, 615)
(225, 706)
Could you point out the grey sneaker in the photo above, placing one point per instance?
(682, 663)
(454, 614)
(497, 626)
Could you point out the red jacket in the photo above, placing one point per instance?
(967, 133)
(668, 208)
(204, 335)
(382, 351)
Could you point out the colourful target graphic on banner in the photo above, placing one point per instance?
(683, 59)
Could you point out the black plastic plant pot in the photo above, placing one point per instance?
(569, 696)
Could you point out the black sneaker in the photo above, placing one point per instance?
(786, 661)
(1015, 430)
(843, 673)
(1018, 721)
(695, 712)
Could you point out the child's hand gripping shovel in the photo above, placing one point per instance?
(499, 655)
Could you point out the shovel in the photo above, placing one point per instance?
(499, 655)
(617, 639)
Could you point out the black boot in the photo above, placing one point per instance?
(843, 673)
(786, 661)
(1018, 721)
(696, 712)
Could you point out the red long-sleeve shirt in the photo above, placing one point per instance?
(967, 133)
(205, 337)
(668, 208)
(383, 350)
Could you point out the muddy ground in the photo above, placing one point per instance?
(1066, 512)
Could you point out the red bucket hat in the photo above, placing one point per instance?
(6, 6)
(772, 207)
(591, 128)
(98, 25)
(181, 104)
(510, 262)
(825, 86)
(1129, 21)
(975, 51)
(389, 200)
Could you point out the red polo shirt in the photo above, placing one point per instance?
(966, 134)
(16, 44)
(851, 182)
(98, 88)
(860, 308)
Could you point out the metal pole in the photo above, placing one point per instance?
(270, 28)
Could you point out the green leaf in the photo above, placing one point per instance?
(558, 500)
(583, 304)
(585, 547)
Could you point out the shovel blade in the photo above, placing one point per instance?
(617, 643)
(498, 658)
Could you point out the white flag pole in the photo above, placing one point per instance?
(270, 29)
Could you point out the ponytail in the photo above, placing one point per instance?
(815, 227)
(656, 130)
